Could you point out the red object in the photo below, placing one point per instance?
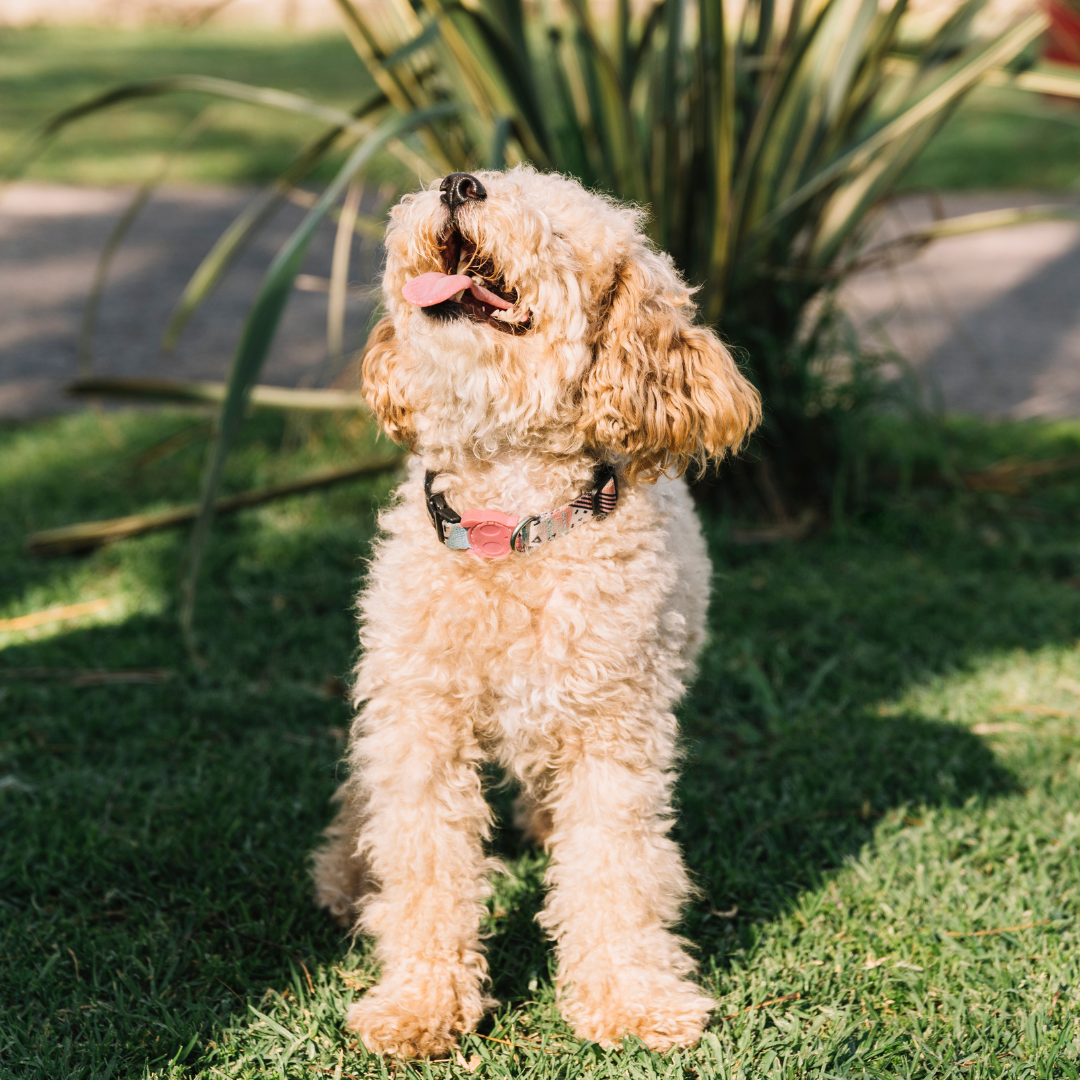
(1063, 37)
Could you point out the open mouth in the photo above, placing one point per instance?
(468, 286)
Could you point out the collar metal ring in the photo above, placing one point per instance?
(524, 523)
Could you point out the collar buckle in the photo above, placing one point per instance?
(439, 511)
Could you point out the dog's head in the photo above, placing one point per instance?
(525, 312)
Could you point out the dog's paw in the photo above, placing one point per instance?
(406, 1022)
(662, 1011)
(394, 1029)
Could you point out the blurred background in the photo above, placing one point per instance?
(987, 321)
(880, 205)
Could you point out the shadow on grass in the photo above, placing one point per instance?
(153, 881)
(763, 820)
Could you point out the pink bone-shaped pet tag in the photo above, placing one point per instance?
(489, 532)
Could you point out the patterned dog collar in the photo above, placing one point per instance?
(492, 534)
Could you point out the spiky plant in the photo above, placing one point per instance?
(759, 133)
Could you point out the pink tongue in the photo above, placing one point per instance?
(434, 288)
(489, 297)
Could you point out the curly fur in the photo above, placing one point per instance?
(563, 665)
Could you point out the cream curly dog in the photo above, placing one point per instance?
(537, 599)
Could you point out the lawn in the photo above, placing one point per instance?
(46, 70)
(879, 798)
(1001, 138)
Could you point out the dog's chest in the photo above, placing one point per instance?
(538, 639)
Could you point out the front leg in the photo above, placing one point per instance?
(617, 883)
(421, 838)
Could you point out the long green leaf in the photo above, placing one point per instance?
(519, 95)
(404, 88)
(428, 36)
(366, 43)
(1058, 84)
(611, 116)
(758, 161)
(963, 224)
(718, 51)
(271, 397)
(261, 326)
(959, 83)
(248, 222)
(339, 271)
(570, 143)
(85, 358)
(203, 84)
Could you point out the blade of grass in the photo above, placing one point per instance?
(367, 47)
(428, 36)
(568, 132)
(720, 100)
(847, 208)
(399, 85)
(514, 91)
(755, 160)
(500, 137)
(963, 224)
(611, 112)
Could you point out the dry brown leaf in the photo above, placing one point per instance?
(994, 729)
(53, 615)
(762, 1005)
(998, 930)
(1033, 710)
(1007, 477)
(352, 979)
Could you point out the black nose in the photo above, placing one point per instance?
(459, 186)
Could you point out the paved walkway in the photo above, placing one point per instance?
(50, 239)
(990, 320)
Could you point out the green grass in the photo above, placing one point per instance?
(882, 760)
(1004, 139)
(46, 70)
(1001, 139)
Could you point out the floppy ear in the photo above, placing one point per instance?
(661, 391)
(380, 372)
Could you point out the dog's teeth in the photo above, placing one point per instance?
(458, 295)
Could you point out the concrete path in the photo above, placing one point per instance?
(991, 320)
(50, 238)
